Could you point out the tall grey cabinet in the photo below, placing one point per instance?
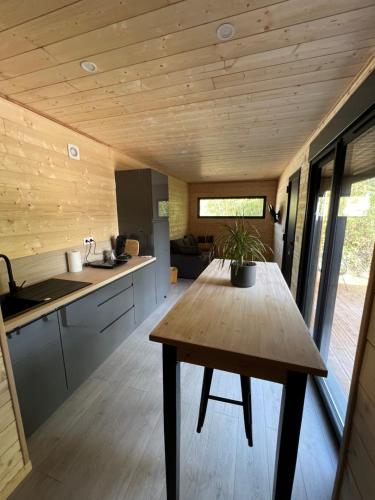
(142, 201)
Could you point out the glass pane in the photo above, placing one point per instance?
(353, 248)
(231, 207)
(163, 208)
(319, 231)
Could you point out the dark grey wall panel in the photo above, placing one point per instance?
(39, 372)
(137, 199)
(134, 205)
(362, 99)
(159, 191)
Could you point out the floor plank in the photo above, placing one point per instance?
(106, 440)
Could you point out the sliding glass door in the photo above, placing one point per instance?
(340, 247)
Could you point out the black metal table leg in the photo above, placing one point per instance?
(246, 399)
(288, 435)
(207, 379)
(172, 404)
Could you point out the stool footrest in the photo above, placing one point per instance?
(226, 400)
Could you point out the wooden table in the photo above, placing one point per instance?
(255, 332)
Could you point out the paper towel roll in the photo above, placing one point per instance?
(74, 261)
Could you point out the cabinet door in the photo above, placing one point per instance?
(39, 371)
(163, 259)
(144, 292)
(84, 348)
(92, 327)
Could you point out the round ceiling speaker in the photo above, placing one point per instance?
(225, 31)
(89, 66)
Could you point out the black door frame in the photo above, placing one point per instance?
(335, 150)
(295, 177)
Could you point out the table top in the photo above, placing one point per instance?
(255, 331)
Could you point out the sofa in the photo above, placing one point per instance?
(188, 258)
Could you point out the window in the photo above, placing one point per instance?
(163, 208)
(252, 207)
(337, 251)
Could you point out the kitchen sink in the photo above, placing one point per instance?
(12, 305)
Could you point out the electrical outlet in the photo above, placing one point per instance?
(87, 240)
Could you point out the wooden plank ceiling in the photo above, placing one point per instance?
(169, 93)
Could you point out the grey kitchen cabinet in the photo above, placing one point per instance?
(82, 345)
(55, 354)
(39, 372)
(161, 236)
(144, 292)
(93, 326)
(117, 331)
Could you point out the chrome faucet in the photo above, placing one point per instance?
(12, 284)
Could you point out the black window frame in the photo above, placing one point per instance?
(335, 150)
(260, 197)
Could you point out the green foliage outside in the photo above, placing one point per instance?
(163, 208)
(360, 231)
(231, 207)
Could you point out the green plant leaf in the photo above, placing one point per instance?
(239, 243)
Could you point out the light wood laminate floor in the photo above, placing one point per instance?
(106, 441)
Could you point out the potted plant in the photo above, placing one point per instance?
(242, 246)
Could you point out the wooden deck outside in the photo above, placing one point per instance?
(345, 329)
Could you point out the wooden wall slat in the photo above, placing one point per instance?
(178, 208)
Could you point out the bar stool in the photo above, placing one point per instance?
(245, 403)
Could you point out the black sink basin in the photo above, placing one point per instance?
(12, 305)
(35, 295)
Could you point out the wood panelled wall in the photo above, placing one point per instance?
(203, 227)
(178, 208)
(48, 201)
(14, 459)
(300, 160)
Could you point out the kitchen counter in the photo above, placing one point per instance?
(97, 277)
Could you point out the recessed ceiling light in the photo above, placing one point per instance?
(225, 31)
(89, 66)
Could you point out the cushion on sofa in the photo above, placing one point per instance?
(175, 248)
(189, 250)
(185, 246)
(190, 240)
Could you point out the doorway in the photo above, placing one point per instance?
(290, 226)
(339, 242)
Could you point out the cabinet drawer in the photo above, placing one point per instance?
(109, 291)
(117, 332)
(113, 308)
